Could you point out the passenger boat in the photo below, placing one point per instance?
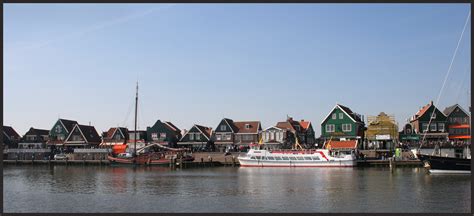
(297, 158)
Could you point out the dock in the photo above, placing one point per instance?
(386, 163)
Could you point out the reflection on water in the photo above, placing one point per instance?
(225, 189)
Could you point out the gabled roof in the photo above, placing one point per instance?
(231, 124)
(37, 132)
(285, 125)
(450, 109)
(305, 124)
(9, 131)
(353, 116)
(88, 132)
(423, 110)
(254, 126)
(172, 127)
(112, 131)
(207, 131)
(68, 124)
(278, 128)
(350, 144)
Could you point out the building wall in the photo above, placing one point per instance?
(338, 122)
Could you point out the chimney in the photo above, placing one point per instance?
(89, 123)
(431, 102)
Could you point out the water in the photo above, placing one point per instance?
(226, 189)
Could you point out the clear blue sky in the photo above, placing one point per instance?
(198, 63)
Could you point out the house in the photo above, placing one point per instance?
(382, 132)
(343, 124)
(232, 135)
(34, 138)
(408, 137)
(164, 133)
(247, 133)
(10, 137)
(115, 136)
(436, 131)
(302, 129)
(82, 136)
(60, 131)
(277, 138)
(458, 122)
(198, 137)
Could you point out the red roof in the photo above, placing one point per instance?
(253, 126)
(350, 144)
(422, 111)
(305, 124)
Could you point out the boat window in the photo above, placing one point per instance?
(258, 157)
(278, 158)
(315, 158)
(270, 158)
(308, 158)
(299, 158)
(285, 158)
(253, 158)
(292, 158)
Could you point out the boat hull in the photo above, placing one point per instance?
(138, 161)
(253, 163)
(437, 164)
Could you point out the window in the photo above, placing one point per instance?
(267, 136)
(191, 136)
(227, 136)
(433, 127)
(258, 157)
(154, 136)
(76, 138)
(247, 126)
(308, 158)
(198, 136)
(441, 127)
(218, 137)
(346, 127)
(299, 158)
(247, 137)
(341, 115)
(272, 135)
(292, 158)
(278, 137)
(277, 158)
(285, 158)
(270, 158)
(424, 127)
(162, 135)
(315, 158)
(334, 116)
(329, 128)
(253, 158)
(223, 128)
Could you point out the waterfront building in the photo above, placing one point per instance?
(197, 138)
(164, 133)
(408, 137)
(115, 136)
(436, 130)
(342, 146)
(82, 136)
(342, 124)
(232, 135)
(224, 134)
(459, 126)
(10, 137)
(34, 138)
(277, 138)
(247, 132)
(302, 129)
(382, 132)
(60, 131)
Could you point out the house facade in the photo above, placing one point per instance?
(382, 132)
(247, 132)
(459, 125)
(60, 131)
(342, 124)
(198, 137)
(430, 124)
(82, 136)
(115, 136)
(164, 133)
(408, 137)
(225, 134)
(34, 138)
(302, 129)
(10, 137)
(277, 138)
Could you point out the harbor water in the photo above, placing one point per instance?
(81, 189)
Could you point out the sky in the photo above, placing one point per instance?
(199, 63)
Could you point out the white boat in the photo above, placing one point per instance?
(297, 158)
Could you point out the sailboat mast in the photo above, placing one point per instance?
(136, 106)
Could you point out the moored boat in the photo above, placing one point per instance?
(448, 165)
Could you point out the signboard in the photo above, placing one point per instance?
(382, 137)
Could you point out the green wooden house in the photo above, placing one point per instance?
(342, 123)
(164, 133)
(436, 131)
(60, 131)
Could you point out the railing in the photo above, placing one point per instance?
(91, 150)
(26, 150)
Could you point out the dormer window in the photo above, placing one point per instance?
(247, 126)
(223, 128)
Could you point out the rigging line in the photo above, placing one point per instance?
(446, 77)
(466, 70)
(127, 116)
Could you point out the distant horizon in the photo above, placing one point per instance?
(199, 63)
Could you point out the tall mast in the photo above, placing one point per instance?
(135, 137)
